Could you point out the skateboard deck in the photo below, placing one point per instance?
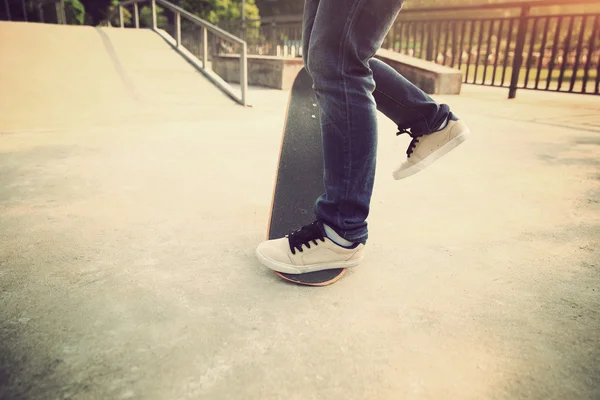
(299, 180)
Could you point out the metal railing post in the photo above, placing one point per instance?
(154, 14)
(58, 13)
(244, 72)
(429, 56)
(518, 60)
(178, 28)
(121, 21)
(7, 6)
(137, 15)
(204, 48)
(63, 12)
(24, 10)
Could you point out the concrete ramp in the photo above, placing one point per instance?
(55, 76)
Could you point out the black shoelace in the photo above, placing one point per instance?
(304, 237)
(413, 142)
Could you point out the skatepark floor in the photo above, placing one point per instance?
(133, 194)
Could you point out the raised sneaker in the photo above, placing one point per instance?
(424, 150)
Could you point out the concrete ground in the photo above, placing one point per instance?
(133, 194)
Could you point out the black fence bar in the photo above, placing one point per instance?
(479, 40)
(566, 48)
(554, 51)
(462, 42)
(542, 52)
(507, 52)
(447, 34)
(597, 88)
(518, 60)
(487, 49)
(454, 43)
(497, 53)
(578, 53)
(531, 47)
(408, 31)
(590, 53)
(471, 33)
(429, 45)
(414, 48)
(422, 39)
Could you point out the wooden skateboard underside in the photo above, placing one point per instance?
(299, 180)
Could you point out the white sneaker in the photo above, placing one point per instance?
(308, 250)
(424, 150)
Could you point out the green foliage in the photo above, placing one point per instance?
(216, 11)
(113, 10)
(75, 12)
(213, 11)
(146, 16)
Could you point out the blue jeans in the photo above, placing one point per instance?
(340, 38)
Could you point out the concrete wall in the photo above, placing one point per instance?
(430, 77)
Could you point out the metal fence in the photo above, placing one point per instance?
(525, 45)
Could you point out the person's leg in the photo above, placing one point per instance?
(345, 35)
(434, 128)
(403, 102)
(395, 96)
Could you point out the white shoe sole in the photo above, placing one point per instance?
(424, 163)
(302, 269)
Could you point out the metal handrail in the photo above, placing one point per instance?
(199, 21)
(206, 26)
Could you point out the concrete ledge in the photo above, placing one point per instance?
(430, 77)
(280, 72)
(269, 71)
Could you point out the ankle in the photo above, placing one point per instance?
(443, 125)
(335, 237)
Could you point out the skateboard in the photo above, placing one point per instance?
(299, 179)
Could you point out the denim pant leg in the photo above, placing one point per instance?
(404, 103)
(345, 35)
